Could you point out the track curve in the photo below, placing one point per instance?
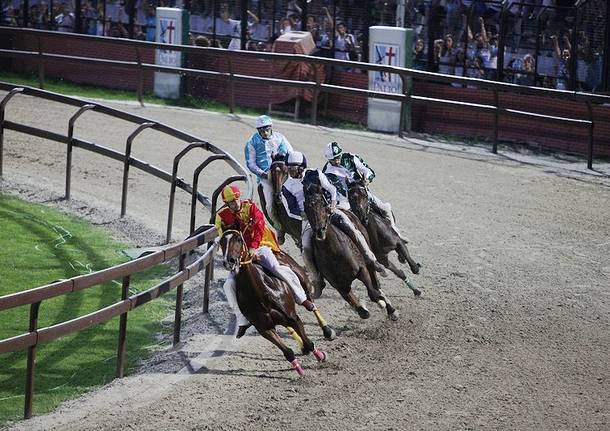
(512, 330)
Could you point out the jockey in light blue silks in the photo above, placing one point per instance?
(260, 150)
(343, 168)
(293, 198)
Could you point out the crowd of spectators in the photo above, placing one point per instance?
(268, 20)
(539, 36)
(458, 37)
(59, 15)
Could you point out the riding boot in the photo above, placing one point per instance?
(309, 305)
(281, 237)
(287, 274)
(316, 278)
(369, 257)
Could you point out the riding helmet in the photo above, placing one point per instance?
(333, 150)
(230, 193)
(296, 158)
(263, 121)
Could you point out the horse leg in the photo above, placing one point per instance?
(404, 256)
(401, 274)
(372, 287)
(392, 313)
(295, 336)
(327, 330)
(272, 336)
(308, 345)
(385, 261)
(352, 300)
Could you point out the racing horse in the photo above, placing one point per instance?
(338, 259)
(382, 236)
(264, 299)
(278, 173)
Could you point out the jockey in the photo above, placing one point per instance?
(250, 221)
(260, 150)
(293, 197)
(345, 168)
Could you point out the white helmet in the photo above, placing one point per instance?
(333, 150)
(263, 121)
(296, 158)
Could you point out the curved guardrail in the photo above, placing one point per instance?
(205, 235)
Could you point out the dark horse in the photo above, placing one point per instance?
(382, 236)
(264, 299)
(338, 259)
(278, 173)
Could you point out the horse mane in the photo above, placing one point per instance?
(311, 189)
(279, 158)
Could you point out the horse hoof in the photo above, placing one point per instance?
(329, 333)
(394, 316)
(416, 269)
(413, 287)
(320, 355)
(363, 312)
(298, 368)
(317, 289)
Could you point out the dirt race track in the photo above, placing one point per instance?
(512, 331)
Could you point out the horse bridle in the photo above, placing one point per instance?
(324, 200)
(360, 185)
(244, 249)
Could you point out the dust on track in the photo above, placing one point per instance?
(512, 330)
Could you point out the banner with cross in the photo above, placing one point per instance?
(388, 55)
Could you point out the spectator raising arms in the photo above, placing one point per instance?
(562, 61)
(64, 20)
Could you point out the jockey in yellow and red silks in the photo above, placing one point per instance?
(245, 217)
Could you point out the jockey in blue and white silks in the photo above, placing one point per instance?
(343, 168)
(293, 197)
(260, 150)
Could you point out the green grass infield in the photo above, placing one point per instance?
(39, 245)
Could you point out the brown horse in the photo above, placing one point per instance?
(337, 257)
(265, 300)
(382, 236)
(278, 173)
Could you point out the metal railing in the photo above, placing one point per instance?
(207, 236)
(406, 98)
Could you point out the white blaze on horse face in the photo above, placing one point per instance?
(227, 264)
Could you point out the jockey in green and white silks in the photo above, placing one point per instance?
(343, 168)
(259, 151)
(293, 197)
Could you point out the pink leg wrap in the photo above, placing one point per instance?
(297, 367)
(320, 355)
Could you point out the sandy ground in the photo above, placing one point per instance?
(512, 331)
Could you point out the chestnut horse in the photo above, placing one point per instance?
(265, 300)
(338, 259)
(382, 236)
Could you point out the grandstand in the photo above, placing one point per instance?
(558, 44)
